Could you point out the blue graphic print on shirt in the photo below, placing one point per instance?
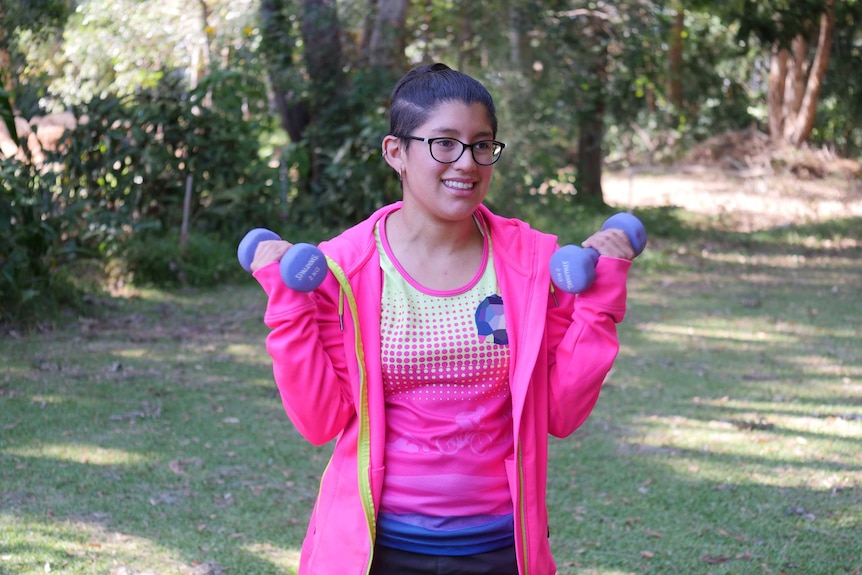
(490, 319)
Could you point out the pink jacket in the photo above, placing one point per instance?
(326, 362)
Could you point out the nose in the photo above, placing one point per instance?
(466, 161)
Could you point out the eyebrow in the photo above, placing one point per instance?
(453, 132)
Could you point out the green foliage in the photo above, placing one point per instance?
(119, 46)
(348, 176)
(125, 169)
(32, 250)
(131, 162)
(159, 260)
(838, 115)
(35, 14)
(771, 20)
(33, 239)
(149, 136)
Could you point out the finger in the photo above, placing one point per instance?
(612, 243)
(268, 252)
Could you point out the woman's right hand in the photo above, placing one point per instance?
(268, 251)
(611, 242)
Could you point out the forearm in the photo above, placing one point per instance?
(588, 348)
(309, 365)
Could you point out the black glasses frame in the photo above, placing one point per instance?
(430, 142)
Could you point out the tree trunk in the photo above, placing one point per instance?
(515, 38)
(323, 61)
(591, 119)
(7, 81)
(591, 130)
(794, 83)
(674, 88)
(320, 34)
(388, 36)
(775, 90)
(278, 47)
(808, 107)
(205, 59)
(427, 29)
(368, 23)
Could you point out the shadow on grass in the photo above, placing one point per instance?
(152, 440)
(623, 510)
(726, 440)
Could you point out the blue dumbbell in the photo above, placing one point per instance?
(303, 268)
(573, 268)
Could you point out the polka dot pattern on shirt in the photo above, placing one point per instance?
(432, 349)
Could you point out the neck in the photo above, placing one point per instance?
(437, 254)
(432, 235)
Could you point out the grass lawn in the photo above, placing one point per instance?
(147, 436)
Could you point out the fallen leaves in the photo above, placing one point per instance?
(207, 568)
(800, 511)
(148, 410)
(753, 425)
(643, 488)
(179, 466)
(719, 559)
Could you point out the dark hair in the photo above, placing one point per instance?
(424, 88)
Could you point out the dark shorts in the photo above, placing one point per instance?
(395, 562)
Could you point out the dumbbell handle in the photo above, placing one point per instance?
(573, 268)
(303, 268)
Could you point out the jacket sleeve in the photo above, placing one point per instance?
(583, 345)
(308, 359)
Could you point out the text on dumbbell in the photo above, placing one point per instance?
(567, 273)
(307, 267)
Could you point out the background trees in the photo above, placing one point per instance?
(207, 118)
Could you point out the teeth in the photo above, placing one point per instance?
(459, 185)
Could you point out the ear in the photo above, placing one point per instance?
(393, 153)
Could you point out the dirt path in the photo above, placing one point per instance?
(740, 203)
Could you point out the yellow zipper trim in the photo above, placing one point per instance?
(363, 448)
(522, 510)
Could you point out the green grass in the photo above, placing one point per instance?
(728, 439)
(147, 433)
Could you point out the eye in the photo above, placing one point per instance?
(445, 143)
(484, 146)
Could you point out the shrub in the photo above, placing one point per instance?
(31, 250)
(159, 260)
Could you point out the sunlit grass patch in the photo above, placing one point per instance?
(86, 454)
(286, 559)
(77, 544)
(757, 440)
(673, 332)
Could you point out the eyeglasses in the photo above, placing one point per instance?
(450, 150)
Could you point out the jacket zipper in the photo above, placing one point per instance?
(525, 566)
(363, 447)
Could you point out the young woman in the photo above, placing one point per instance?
(439, 356)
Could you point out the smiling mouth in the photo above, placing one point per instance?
(459, 185)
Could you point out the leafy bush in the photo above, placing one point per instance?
(31, 250)
(135, 156)
(160, 260)
(340, 174)
(121, 177)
